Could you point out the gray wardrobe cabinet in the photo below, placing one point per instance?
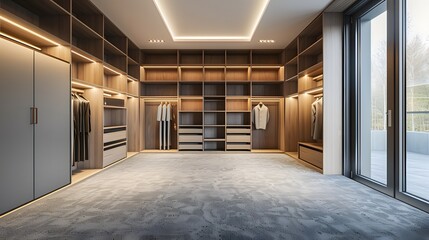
(34, 125)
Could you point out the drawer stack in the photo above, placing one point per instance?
(238, 138)
(191, 138)
(311, 153)
(115, 144)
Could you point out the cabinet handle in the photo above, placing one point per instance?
(34, 115)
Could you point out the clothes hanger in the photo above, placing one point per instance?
(260, 104)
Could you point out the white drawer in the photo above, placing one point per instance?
(237, 146)
(238, 130)
(238, 138)
(112, 155)
(312, 156)
(190, 147)
(113, 136)
(191, 130)
(190, 138)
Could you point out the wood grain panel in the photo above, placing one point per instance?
(133, 125)
(191, 104)
(237, 105)
(237, 74)
(190, 74)
(152, 126)
(214, 74)
(95, 97)
(268, 138)
(269, 74)
(291, 124)
(167, 74)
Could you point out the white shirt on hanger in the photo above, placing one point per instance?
(159, 113)
(260, 116)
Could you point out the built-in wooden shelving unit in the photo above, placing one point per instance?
(310, 64)
(215, 91)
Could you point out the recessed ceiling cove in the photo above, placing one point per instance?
(209, 20)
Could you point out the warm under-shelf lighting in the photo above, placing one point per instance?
(28, 30)
(107, 95)
(19, 40)
(111, 92)
(81, 84)
(293, 96)
(82, 56)
(318, 78)
(314, 90)
(112, 70)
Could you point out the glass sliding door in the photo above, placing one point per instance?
(374, 158)
(416, 91)
(386, 93)
(372, 162)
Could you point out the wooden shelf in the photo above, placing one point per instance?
(114, 36)
(214, 139)
(190, 111)
(113, 127)
(313, 70)
(293, 61)
(314, 49)
(294, 78)
(86, 39)
(88, 14)
(114, 107)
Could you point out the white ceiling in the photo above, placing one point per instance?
(141, 21)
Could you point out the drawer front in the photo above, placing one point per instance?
(238, 146)
(238, 130)
(312, 156)
(191, 130)
(113, 136)
(112, 155)
(238, 138)
(190, 138)
(190, 147)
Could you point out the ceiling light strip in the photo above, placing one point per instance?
(28, 30)
(246, 38)
(19, 40)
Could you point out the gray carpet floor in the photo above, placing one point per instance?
(215, 196)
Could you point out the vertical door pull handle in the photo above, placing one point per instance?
(389, 118)
(34, 115)
(36, 110)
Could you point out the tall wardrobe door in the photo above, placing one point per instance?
(16, 131)
(52, 132)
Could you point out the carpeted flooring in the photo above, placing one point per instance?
(215, 196)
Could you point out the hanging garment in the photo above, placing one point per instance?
(159, 119)
(164, 126)
(260, 116)
(81, 127)
(168, 122)
(317, 119)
